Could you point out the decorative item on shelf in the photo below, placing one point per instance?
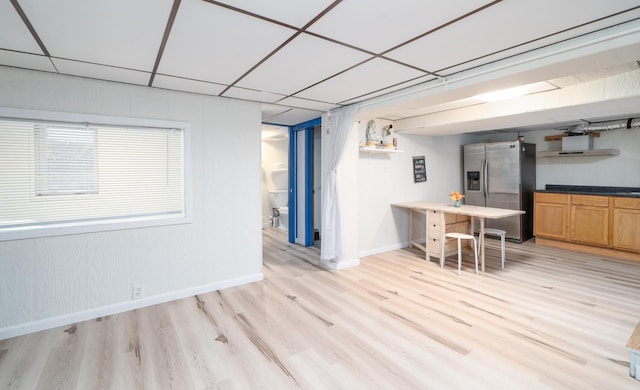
(373, 140)
(456, 197)
(386, 132)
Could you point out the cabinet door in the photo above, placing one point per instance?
(590, 224)
(626, 229)
(550, 220)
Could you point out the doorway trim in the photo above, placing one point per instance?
(294, 153)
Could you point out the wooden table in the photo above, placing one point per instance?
(479, 212)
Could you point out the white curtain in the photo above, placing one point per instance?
(341, 122)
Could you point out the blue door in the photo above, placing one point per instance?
(301, 182)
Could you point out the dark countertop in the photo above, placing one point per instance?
(631, 192)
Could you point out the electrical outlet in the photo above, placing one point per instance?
(138, 291)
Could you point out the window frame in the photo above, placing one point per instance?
(109, 224)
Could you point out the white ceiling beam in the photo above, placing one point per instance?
(532, 109)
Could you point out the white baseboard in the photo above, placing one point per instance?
(340, 264)
(388, 248)
(67, 319)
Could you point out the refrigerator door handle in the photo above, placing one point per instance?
(485, 182)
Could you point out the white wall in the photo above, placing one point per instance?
(57, 280)
(387, 178)
(621, 170)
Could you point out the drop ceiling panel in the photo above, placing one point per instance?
(212, 43)
(102, 72)
(394, 88)
(303, 62)
(380, 25)
(252, 94)
(293, 116)
(285, 11)
(362, 80)
(269, 110)
(621, 20)
(180, 84)
(310, 104)
(26, 61)
(14, 35)
(502, 26)
(118, 32)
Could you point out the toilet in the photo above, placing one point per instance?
(279, 199)
(284, 218)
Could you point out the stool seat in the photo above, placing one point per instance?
(460, 236)
(502, 234)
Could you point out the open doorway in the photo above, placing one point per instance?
(275, 177)
(291, 180)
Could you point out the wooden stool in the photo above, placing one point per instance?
(497, 232)
(633, 346)
(459, 236)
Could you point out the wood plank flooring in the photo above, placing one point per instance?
(552, 319)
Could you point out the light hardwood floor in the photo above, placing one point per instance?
(552, 319)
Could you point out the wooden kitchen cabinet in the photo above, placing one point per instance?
(626, 224)
(551, 216)
(607, 225)
(590, 219)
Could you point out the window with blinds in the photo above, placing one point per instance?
(58, 175)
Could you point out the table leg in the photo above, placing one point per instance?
(481, 238)
(426, 236)
(410, 228)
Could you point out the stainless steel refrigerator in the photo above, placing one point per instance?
(502, 175)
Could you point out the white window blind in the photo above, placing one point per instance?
(66, 160)
(52, 174)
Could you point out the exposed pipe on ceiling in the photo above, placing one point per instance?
(584, 128)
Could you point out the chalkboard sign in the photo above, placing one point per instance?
(419, 169)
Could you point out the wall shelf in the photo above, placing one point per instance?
(379, 150)
(580, 153)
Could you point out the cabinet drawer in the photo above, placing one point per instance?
(434, 230)
(551, 198)
(626, 203)
(434, 247)
(590, 200)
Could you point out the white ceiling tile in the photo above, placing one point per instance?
(286, 11)
(118, 32)
(292, 116)
(252, 94)
(101, 72)
(211, 43)
(269, 110)
(310, 104)
(27, 61)
(362, 80)
(14, 34)
(499, 27)
(393, 88)
(186, 85)
(380, 25)
(562, 37)
(301, 63)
